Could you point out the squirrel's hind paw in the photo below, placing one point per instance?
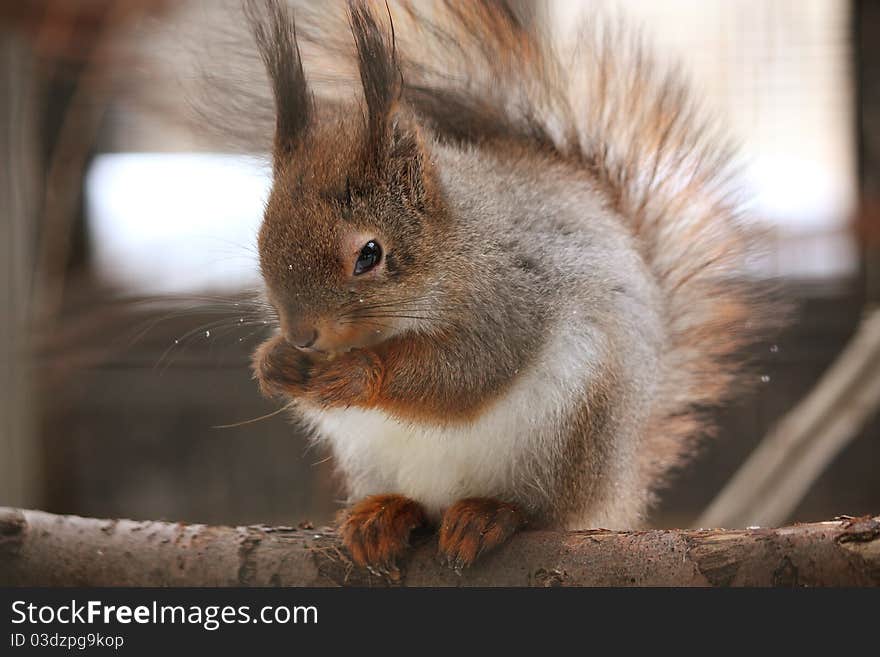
(376, 531)
(474, 526)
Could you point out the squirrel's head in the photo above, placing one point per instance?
(349, 244)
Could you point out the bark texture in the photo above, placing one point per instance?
(41, 549)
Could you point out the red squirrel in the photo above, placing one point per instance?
(508, 281)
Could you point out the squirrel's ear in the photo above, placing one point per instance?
(275, 33)
(394, 150)
(409, 168)
(381, 81)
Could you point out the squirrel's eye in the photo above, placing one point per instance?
(368, 258)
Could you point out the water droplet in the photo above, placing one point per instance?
(177, 342)
(765, 379)
(289, 267)
(241, 320)
(207, 334)
(361, 300)
(774, 349)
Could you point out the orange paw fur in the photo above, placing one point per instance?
(474, 526)
(280, 368)
(353, 378)
(349, 379)
(376, 531)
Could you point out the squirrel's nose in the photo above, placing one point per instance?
(302, 337)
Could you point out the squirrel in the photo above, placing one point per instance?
(509, 283)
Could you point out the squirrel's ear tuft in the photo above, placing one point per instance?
(275, 33)
(393, 148)
(380, 78)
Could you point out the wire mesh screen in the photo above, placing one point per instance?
(779, 72)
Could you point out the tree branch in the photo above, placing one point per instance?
(41, 549)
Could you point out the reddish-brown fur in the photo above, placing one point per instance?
(376, 530)
(474, 526)
(394, 376)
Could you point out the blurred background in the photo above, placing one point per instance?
(128, 269)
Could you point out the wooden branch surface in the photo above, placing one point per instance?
(41, 549)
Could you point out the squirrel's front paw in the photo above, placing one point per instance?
(281, 368)
(474, 526)
(352, 378)
(376, 531)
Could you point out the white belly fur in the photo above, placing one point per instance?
(437, 465)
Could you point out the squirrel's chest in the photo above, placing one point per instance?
(434, 465)
(501, 453)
